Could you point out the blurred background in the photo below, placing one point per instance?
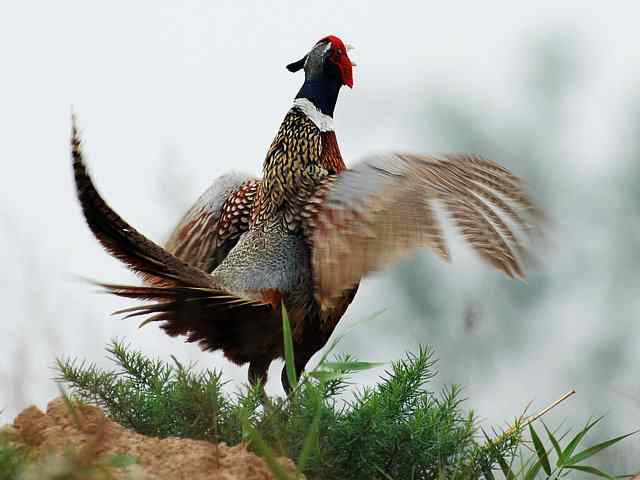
(172, 94)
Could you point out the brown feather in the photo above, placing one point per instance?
(364, 219)
(123, 241)
(188, 301)
(211, 228)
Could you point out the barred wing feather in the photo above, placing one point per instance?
(371, 215)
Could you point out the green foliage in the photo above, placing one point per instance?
(394, 430)
(397, 427)
(566, 459)
(13, 457)
(160, 399)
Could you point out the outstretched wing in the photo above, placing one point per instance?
(188, 300)
(212, 227)
(366, 217)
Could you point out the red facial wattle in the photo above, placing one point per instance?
(341, 59)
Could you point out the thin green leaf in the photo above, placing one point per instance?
(311, 439)
(177, 362)
(568, 451)
(583, 455)
(540, 450)
(329, 349)
(325, 377)
(525, 465)
(351, 366)
(289, 356)
(554, 442)
(533, 471)
(589, 469)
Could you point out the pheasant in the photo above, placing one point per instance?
(307, 232)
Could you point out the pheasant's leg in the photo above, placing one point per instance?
(258, 370)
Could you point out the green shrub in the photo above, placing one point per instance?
(397, 429)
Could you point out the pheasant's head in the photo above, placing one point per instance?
(327, 67)
(328, 60)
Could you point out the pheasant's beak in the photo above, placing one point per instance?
(299, 65)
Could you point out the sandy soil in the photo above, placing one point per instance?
(98, 437)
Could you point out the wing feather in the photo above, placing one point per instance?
(212, 226)
(371, 215)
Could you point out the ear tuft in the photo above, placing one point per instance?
(299, 65)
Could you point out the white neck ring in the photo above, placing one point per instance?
(321, 120)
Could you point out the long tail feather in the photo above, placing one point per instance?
(123, 241)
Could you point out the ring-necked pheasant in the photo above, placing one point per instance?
(306, 232)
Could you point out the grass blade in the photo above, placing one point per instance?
(533, 471)
(326, 377)
(351, 366)
(311, 438)
(589, 452)
(591, 470)
(289, 356)
(554, 441)
(540, 450)
(568, 452)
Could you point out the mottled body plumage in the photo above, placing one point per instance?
(271, 261)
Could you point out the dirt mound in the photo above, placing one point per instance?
(92, 436)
